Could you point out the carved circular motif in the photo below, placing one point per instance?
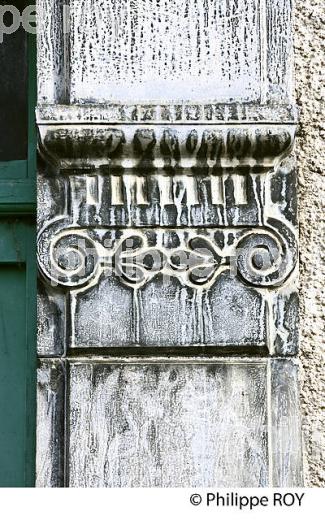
(262, 260)
(68, 259)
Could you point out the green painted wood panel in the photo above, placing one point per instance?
(18, 276)
(12, 371)
(17, 352)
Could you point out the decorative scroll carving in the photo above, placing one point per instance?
(74, 257)
(266, 259)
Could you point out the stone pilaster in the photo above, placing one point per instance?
(168, 307)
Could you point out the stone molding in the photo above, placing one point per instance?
(143, 149)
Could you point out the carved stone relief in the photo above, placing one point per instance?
(167, 227)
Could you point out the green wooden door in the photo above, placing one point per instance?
(17, 268)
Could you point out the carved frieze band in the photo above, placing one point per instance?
(76, 257)
(194, 149)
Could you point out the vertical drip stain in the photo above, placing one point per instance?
(178, 196)
(128, 196)
(217, 195)
(77, 195)
(199, 311)
(141, 195)
(225, 216)
(92, 189)
(100, 188)
(239, 182)
(116, 191)
(136, 315)
(258, 196)
(165, 190)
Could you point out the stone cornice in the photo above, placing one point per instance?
(148, 148)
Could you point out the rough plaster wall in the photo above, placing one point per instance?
(310, 66)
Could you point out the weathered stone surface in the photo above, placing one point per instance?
(286, 425)
(191, 284)
(51, 382)
(162, 113)
(168, 227)
(185, 422)
(53, 51)
(173, 149)
(172, 423)
(51, 305)
(167, 425)
(177, 50)
(167, 314)
(180, 50)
